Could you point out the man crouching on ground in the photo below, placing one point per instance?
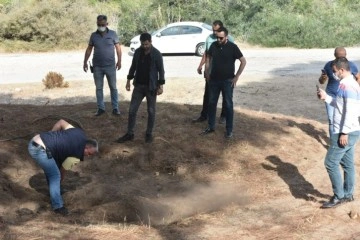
(58, 150)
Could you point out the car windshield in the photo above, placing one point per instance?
(207, 26)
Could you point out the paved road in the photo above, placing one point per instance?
(275, 80)
(18, 68)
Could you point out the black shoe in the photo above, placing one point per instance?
(116, 112)
(125, 138)
(99, 112)
(207, 131)
(334, 201)
(148, 138)
(63, 211)
(199, 119)
(348, 199)
(228, 135)
(222, 120)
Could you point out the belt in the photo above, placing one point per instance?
(35, 144)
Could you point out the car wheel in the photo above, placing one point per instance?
(200, 49)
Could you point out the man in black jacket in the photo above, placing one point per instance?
(147, 70)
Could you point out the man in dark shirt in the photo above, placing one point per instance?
(58, 150)
(147, 70)
(222, 54)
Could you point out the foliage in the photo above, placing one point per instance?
(46, 21)
(54, 80)
(275, 23)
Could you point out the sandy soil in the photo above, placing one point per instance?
(267, 183)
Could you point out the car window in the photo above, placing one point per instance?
(176, 30)
(207, 26)
(191, 30)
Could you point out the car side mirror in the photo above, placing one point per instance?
(158, 35)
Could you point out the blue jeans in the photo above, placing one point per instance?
(215, 87)
(330, 113)
(205, 109)
(51, 171)
(110, 73)
(139, 92)
(343, 156)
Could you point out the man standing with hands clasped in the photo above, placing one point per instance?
(104, 41)
(147, 70)
(222, 56)
(345, 135)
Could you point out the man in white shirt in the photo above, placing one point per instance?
(345, 134)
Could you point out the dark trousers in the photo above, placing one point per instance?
(205, 109)
(226, 89)
(138, 94)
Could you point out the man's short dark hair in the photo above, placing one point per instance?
(145, 37)
(223, 29)
(341, 63)
(218, 23)
(93, 143)
(101, 18)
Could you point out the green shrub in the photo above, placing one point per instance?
(54, 80)
(51, 22)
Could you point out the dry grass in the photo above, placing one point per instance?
(54, 80)
(266, 183)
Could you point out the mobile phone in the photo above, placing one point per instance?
(317, 87)
(323, 71)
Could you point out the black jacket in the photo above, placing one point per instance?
(157, 73)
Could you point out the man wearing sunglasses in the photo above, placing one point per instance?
(104, 41)
(221, 78)
(209, 40)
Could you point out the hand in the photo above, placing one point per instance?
(159, 90)
(207, 76)
(234, 81)
(127, 85)
(321, 94)
(343, 140)
(85, 67)
(323, 78)
(199, 70)
(118, 65)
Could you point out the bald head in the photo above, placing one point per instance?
(340, 52)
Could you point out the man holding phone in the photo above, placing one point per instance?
(345, 133)
(333, 83)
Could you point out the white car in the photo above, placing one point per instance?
(179, 37)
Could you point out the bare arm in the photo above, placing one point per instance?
(239, 71)
(118, 53)
(61, 125)
(86, 57)
(201, 64)
(207, 67)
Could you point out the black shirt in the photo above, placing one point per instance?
(143, 70)
(223, 60)
(65, 143)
